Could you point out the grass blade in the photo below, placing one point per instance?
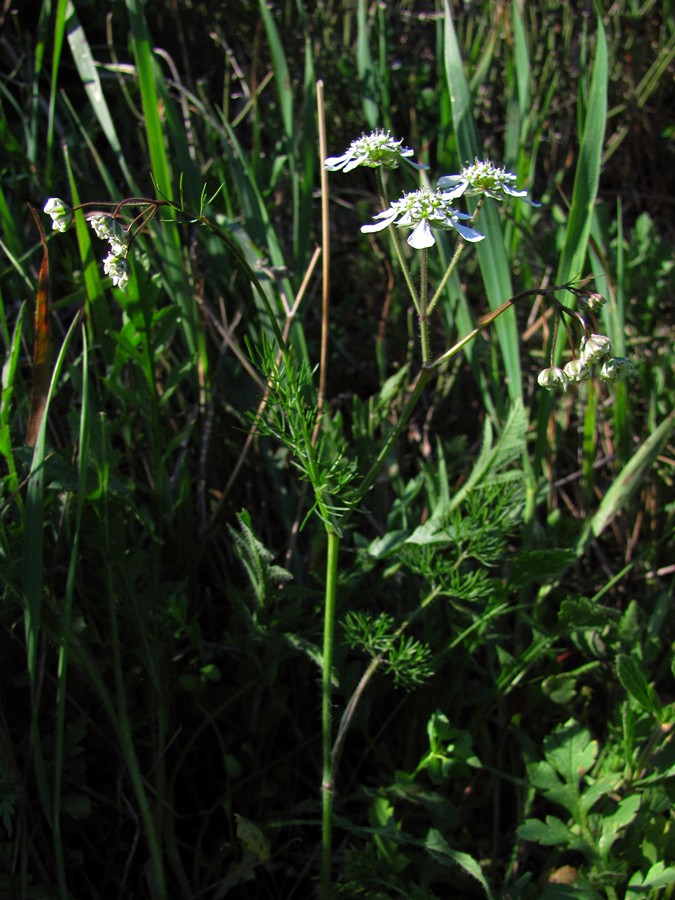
(625, 485)
(86, 68)
(587, 175)
(491, 252)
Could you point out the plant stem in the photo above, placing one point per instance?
(453, 262)
(448, 272)
(397, 246)
(423, 311)
(327, 785)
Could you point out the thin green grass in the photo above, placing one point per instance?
(159, 712)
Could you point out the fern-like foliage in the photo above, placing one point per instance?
(407, 660)
(315, 441)
(262, 573)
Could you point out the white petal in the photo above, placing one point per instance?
(422, 237)
(334, 163)
(452, 186)
(354, 163)
(386, 218)
(468, 233)
(421, 167)
(512, 192)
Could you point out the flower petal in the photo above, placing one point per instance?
(469, 234)
(421, 167)
(452, 186)
(422, 237)
(386, 218)
(335, 163)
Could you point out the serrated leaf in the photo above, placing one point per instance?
(657, 877)
(580, 612)
(620, 818)
(599, 788)
(632, 678)
(552, 832)
(571, 751)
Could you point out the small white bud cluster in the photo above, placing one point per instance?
(115, 264)
(61, 214)
(106, 228)
(595, 348)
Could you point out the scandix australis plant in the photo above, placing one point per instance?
(292, 416)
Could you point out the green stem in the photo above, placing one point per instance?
(448, 273)
(453, 262)
(425, 374)
(423, 311)
(369, 478)
(373, 666)
(397, 245)
(327, 784)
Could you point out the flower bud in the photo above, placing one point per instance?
(576, 371)
(552, 379)
(595, 347)
(61, 214)
(593, 301)
(101, 226)
(617, 368)
(118, 270)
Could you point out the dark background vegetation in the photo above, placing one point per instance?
(219, 675)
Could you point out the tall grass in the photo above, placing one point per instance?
(486, 591)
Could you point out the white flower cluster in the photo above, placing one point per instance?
(107, 228)
(376, 149)
(595, 348)
(115, 264)
(482, 178)
(423, 210)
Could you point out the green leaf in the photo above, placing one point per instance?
(571, 751)
(598, 789)
(620, 818)
(632, 678)
(550, 833)
(493, 458)
(544, 778)
(587, 175)
(88, 72)
(438, 848)
(627, 482)
(491, 252)
(657, 877)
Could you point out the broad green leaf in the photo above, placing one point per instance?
(598, 789)
(544, 778)
(587, 175)
(86, 69)
(620, 818)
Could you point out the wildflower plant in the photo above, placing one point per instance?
(313, 439)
